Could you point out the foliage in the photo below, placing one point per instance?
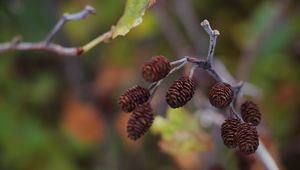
(132, 17)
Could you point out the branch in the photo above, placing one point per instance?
(213, 34)
(18, 45)
(69, 17)
(206, 65)
(155, 85)
(40, 46)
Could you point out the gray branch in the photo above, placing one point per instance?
(39, 46)
(155, 85)
(69, 17)
(18, 45)
(213, 34)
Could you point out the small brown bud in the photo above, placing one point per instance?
(155, 69)
(250, 113)
(133, 97)
(247, 138)
(140, 121)
(221, 95)
(228, 132)
(181, 92)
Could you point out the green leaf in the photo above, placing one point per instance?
(132, 17)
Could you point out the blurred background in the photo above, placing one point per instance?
(61, 113)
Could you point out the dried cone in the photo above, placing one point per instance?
(132, 97)
(247, 138)
(250, 113)
(180, 92)
(221, 95)
(155, 69)
(228, 132)
(140, 121)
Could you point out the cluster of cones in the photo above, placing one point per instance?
(136, 99)
(235, 132)
(243, 135)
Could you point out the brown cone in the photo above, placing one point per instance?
(155, 69)
(132, 97)
(180, 92)
(228, 132)
(221, 95)
(250, 113)
(140, 121)
(247, 138)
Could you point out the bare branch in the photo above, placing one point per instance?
(69, 17)
(40, 46)
(192, 71)
(178, 61)
(266, 157)
(237, 90)
(18, 45)
(207, 66)
(213, 34)
(155, 85)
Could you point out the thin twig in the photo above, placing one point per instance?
(154, 85)
(40, 46)
(192, 71)
(46, 45)
(266, 157)
(232, 109)
(207, 66)
(105, 36)
(69, 17)
(237, 90)
(178, 61)
(213, 34)
(214, 74)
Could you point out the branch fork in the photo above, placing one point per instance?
(46, 45)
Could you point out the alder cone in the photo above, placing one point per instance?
(181, 92)
(221, 95)
(140, 121)
(247, 138)
(228, 132)
(250, 113)
(132, 97)
(155, 69)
